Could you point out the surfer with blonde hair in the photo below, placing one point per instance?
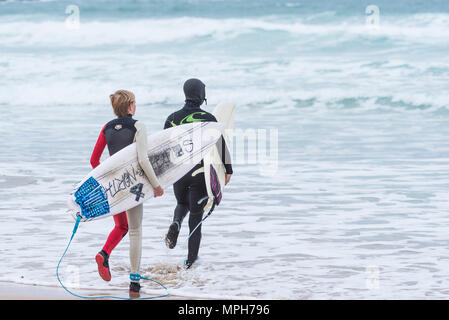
(116, 135)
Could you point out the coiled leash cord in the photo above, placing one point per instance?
(133, 276)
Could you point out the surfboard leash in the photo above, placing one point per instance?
(202, 220)
(133, 276)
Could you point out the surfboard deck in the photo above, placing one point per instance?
(119, 183)
(214, 170)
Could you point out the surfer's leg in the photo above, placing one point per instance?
(180, 189)
(135, 236)
(195, 238)
(135, 245)
(171, 237)
(117, 234)
(181, 211)
(197, 191)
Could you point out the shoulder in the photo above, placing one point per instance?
(171, 116)
(102, 129)
(209, 116)
(110, 124)
(119, 123)
(212, 117)
(170, 121)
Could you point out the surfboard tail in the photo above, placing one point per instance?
(92, 199)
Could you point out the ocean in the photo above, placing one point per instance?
(352, 97)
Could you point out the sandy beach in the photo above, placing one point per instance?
(14, 291)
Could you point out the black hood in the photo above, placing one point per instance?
(195, 91)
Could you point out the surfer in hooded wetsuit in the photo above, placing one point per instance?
(117, 134)
(191, 188)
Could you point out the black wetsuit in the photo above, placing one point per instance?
(190, 189)
(119, 133)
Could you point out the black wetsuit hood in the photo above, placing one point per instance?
(195, 92)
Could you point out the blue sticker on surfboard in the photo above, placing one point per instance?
(92, 199)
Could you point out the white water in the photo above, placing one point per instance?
(357, 209)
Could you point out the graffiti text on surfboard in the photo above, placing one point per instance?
(126, 180)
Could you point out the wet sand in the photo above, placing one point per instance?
(13, 291)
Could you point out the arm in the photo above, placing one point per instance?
(142, 156)
(98, 150)
(225, 155)
(223, 151)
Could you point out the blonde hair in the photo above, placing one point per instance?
(120, 101)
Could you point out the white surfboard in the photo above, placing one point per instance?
(224, 112)
(119, 183)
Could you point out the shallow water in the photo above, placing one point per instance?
(355, 207)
